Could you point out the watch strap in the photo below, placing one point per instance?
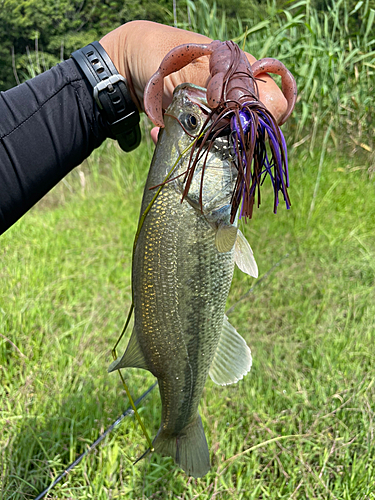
(111, 94)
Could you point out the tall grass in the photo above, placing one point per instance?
(331, 54)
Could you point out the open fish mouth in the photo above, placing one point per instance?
(221, 145)
(224, 131)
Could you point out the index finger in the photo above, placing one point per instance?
(138, 47)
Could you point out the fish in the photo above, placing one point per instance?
(183, 264)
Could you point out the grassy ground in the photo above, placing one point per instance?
(300, 425)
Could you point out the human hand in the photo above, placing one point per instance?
(137, 49)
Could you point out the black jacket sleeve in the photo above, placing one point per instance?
(48, 126)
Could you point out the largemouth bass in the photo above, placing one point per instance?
(182, 270)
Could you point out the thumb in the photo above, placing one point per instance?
(154, 134)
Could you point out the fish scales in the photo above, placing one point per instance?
(182, 271)
(181, 289)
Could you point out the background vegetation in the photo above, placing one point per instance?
(328, 45)
(301, 424)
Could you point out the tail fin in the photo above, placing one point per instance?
(189, 449)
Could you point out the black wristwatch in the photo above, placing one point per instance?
(111, 94)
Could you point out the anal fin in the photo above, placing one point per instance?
(232, 358)
(132, 358)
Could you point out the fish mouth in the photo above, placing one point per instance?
(217, 142)
(195, 94)
(246, 134)
(221, 130)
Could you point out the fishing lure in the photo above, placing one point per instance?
(233, 97)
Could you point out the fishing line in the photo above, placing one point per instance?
(130, 410)
(123, 331)
(126, 413)
(261, 279)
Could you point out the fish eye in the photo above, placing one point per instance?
(189, 121)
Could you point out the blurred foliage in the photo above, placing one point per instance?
(40, 33)
(36, 34)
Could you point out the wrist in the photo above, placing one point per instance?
(115, 44)
(129, 48)
(111, 94)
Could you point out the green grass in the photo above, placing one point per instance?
(300, 425)
(330, 49)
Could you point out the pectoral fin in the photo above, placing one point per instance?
(232, 358)
(133, 357)
(225, 237)
(244, 257)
